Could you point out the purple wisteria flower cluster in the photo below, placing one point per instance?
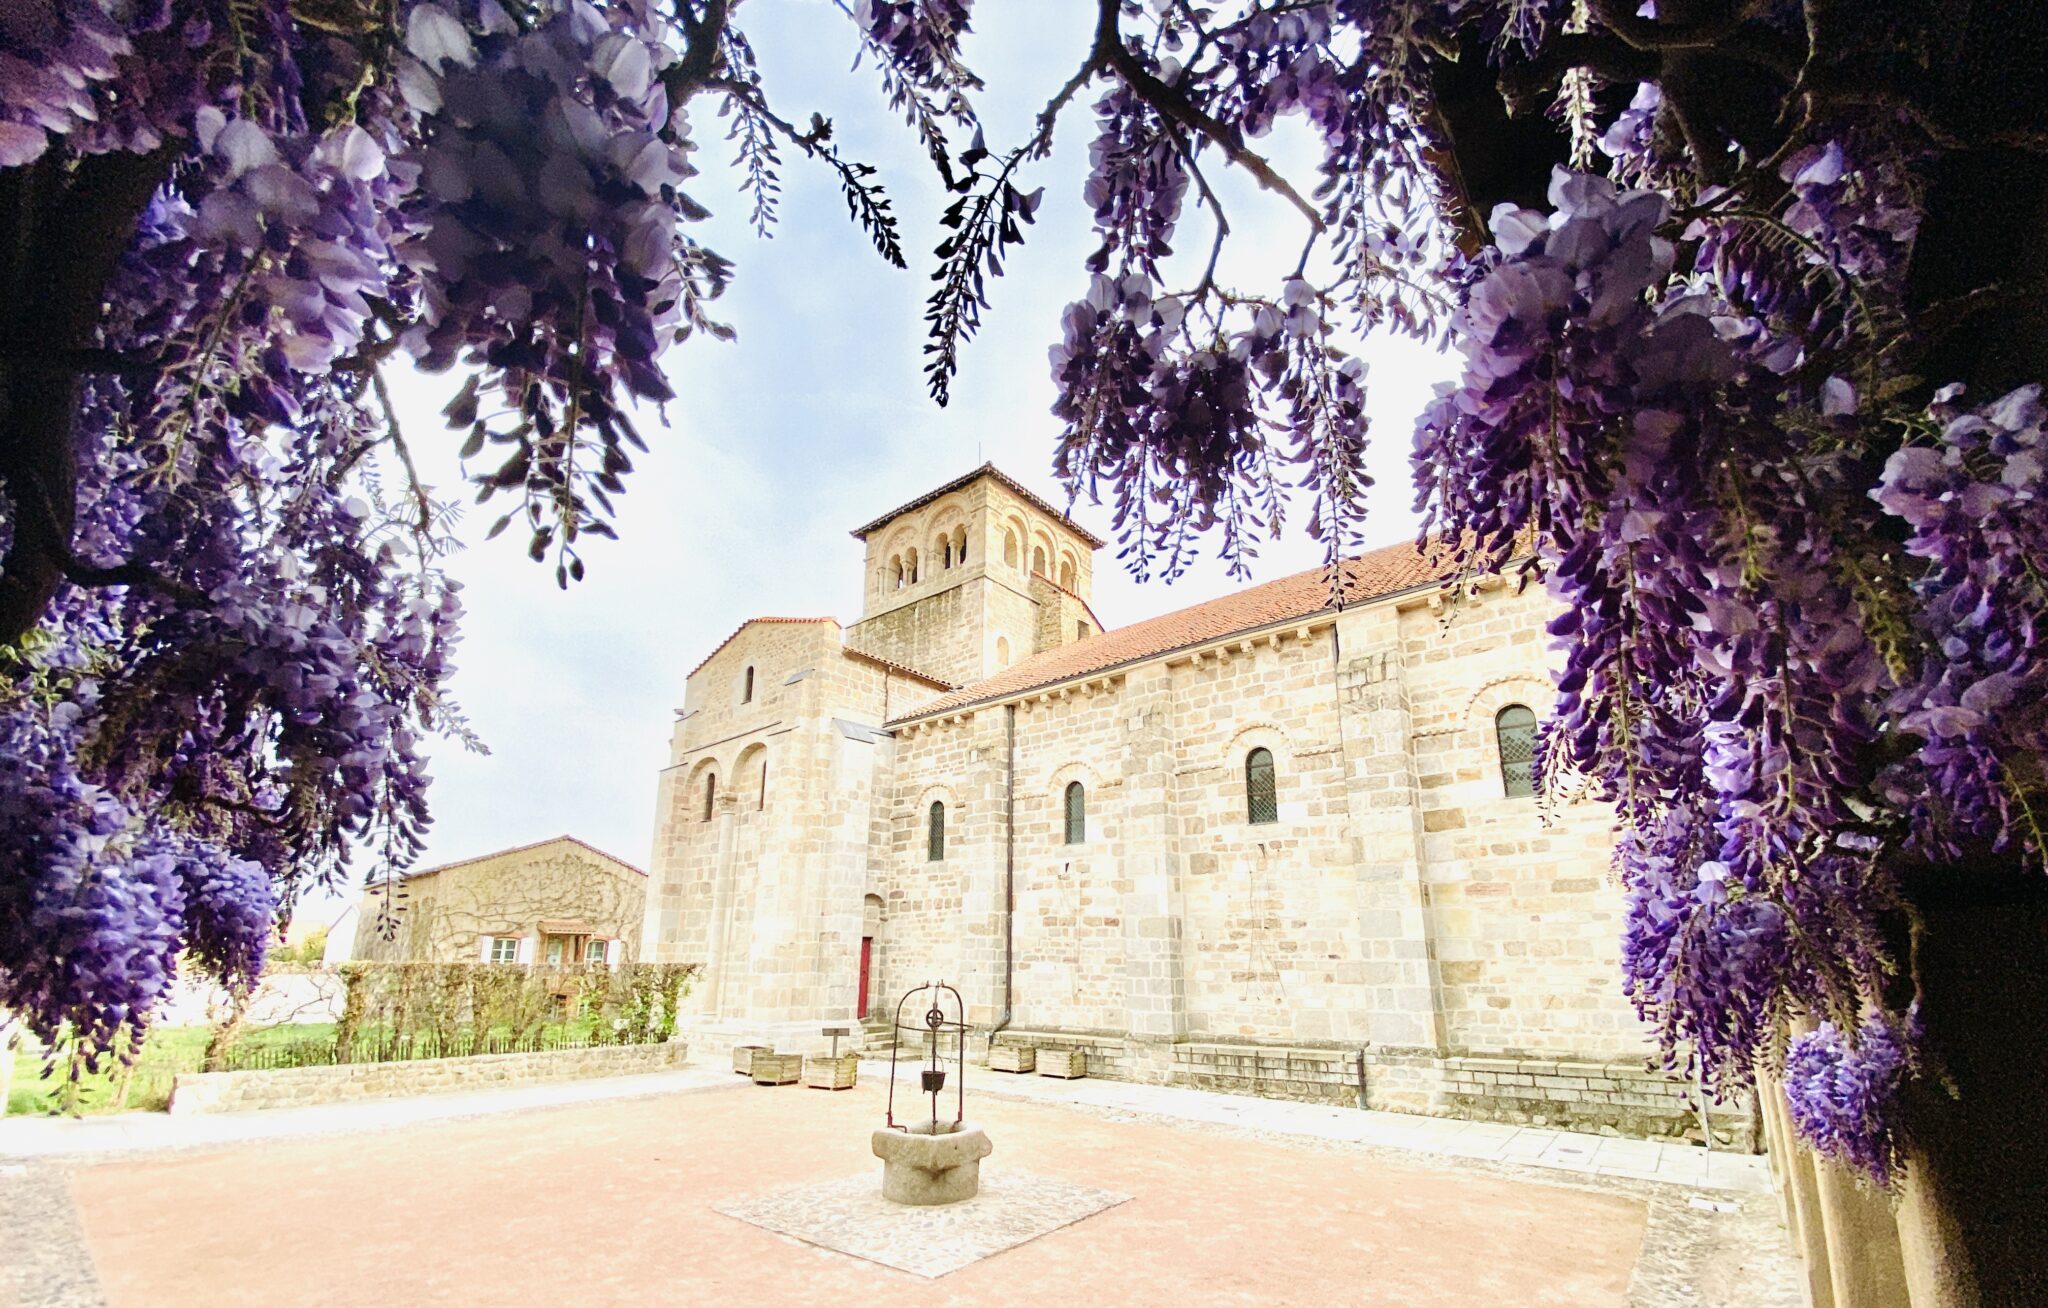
(1839, 1092)
(229, 628)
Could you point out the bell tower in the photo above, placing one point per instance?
(967, 579)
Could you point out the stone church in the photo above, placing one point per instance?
(1268, 843)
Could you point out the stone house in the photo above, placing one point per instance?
(1268, 843)
(554, 902)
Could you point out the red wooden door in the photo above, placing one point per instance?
(867, 953)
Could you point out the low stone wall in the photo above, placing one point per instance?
(1623, 1098)
(1315, 1076)
(1613, 1098)
(297, 1087)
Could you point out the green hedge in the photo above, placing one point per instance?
(394, 1011)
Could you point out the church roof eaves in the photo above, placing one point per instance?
(1374, 575)
(985, 470)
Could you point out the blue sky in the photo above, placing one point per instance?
(812, 423)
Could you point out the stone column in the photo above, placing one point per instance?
(1801, 1200)
(1864, 1265)
(974, 843)
(721, 909)
(835, 879)
(1155, 978)
(1405, 1013)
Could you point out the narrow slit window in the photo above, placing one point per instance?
(747, 689)
(761, 796)
(1261, 793)
(710, 793)
(1077, 813)
(935, 833)
(1514, 730)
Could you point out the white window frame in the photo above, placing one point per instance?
(491, 944)
(602, 948)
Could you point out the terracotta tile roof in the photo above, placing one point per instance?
(904, 668)
(517, 849)
(742, 627)
(985, 470)
(1373, 575)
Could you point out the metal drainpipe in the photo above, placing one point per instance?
(1009, 865)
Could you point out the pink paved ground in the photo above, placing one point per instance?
(610, 1203)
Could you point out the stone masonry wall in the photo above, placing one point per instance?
(1402, 904)
(443, 915)
(298, 1087)
(949, 619)
(1526, 913)
(766, 889)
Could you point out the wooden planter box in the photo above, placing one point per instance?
(823, 1072)
(743, 1057)
(1012, 1058)
(771, 1068)
(1068, 1063)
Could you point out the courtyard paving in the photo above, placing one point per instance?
(624, 1192)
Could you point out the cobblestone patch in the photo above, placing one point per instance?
(850, 1216)
(1715, 1253)
(43, 1259)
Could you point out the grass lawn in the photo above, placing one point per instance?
(167, 1052)
(171, 1050)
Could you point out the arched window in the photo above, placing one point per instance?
(959, 544)
(1514, 730)
(1038, 560)
(910, 566)
(1010, 548)
(944, 550)
(1002, 651)
(935, 833)
(1067, 573)
(1261, 792)
(747, 687)
(1077, 813)
(710, 793)
(896, 572)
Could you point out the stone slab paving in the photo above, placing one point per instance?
(1566, 1151)
(850, 1216)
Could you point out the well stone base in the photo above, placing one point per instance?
(931, 1162)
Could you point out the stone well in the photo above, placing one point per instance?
(930, 1162)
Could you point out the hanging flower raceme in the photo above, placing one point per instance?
(1840, 1091)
